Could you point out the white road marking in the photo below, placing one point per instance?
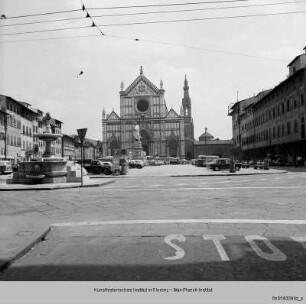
(132, 187)
(179, 253)
(216, 239)
(275, 255)
(300, 239)
(215, 188)
(185, 221)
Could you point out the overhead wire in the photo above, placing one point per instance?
(148, 40)
(159, 21)
(42, 21)
(89, 16)
(168, 4)
(197, 9)
(45, 31)
(152, 41)
(123, 7)
(201, 19)
(156, 12)
(42, 14)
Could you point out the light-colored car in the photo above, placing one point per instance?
(136, 163)
(5, 167)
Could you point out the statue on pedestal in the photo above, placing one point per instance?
(136, 135)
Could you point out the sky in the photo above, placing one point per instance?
(222, 58)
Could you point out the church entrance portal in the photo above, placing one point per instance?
(145, 141)
(114, 147)
(173, 148)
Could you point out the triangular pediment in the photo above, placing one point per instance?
(113, 116)
(141, 86)
(172, 114)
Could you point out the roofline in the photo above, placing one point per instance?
(4, 112)
(280, 84)
(21, 103)
(294, 59)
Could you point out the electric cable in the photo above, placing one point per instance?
(201, 19)
(160, 21)
(197, 9)
(156, 12)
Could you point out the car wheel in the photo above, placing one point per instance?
(107, 171)
(217, 169)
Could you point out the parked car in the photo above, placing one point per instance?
(97, 166)
(261, 165)
(203, 160)
(174, 161)
(5, 167)
(183, 161)
(245, 165)
(223, 164)
(136, 163)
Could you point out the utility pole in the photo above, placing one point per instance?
(82, 133)
(205, 137)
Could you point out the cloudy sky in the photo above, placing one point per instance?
(220, 56)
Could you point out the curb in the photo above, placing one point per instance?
(59, 187)
(229, 174)
(6, 264)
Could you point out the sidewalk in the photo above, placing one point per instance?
(20, 187)
(19, 233)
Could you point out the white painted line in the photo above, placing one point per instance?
(184, 221)
(132, 187)
(274, 255)
(214, 188)
(216, 239)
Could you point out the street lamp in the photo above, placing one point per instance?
(205, 141)
(82, 133)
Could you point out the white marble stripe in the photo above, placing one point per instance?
(184, 221)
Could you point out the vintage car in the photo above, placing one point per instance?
(5, 167)
(136, 163)
(261, 165)
(97, 166)
(223, 164)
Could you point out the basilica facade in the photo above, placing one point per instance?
(163, 132)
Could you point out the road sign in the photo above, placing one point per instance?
(82, 133)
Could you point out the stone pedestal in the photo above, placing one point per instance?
(137, 152)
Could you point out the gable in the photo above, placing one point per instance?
(172, 114)
(113, 116)
(142, 89)
(141, 86)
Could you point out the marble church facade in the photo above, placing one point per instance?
(163, 132)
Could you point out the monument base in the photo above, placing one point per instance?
(137, 152)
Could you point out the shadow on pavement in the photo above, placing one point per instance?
(248, 267)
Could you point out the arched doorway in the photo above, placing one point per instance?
(173, 148)
(145, 141)
(114, 146)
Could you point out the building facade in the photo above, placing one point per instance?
(273, 125)
(18, 128)
(208, 145)
(163, 132)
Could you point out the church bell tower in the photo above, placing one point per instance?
(188, 122)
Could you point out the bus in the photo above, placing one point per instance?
(202, 160)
